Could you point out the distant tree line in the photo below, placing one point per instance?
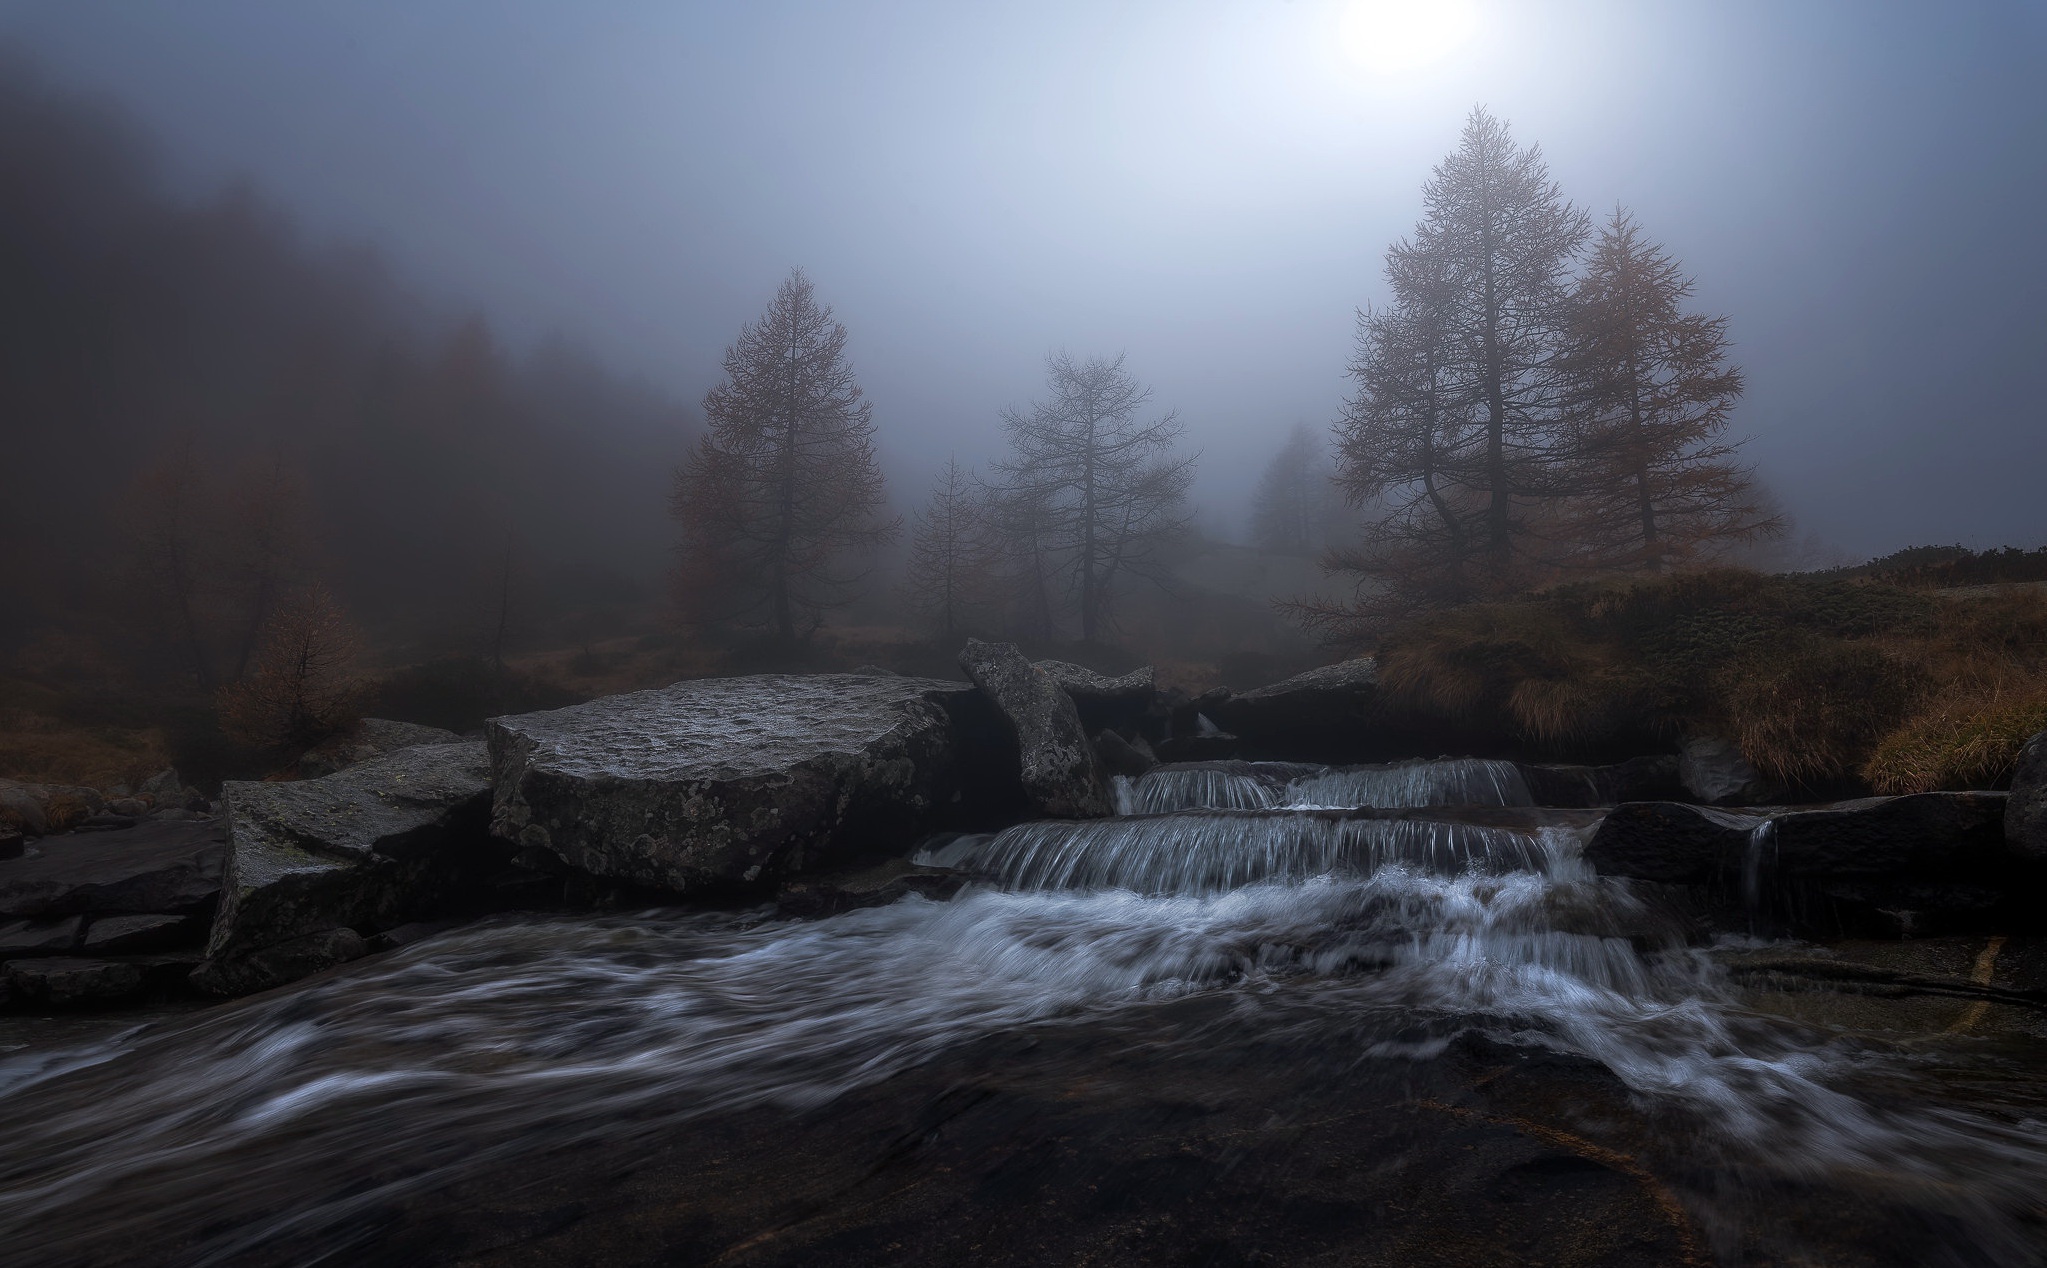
(782, 503)
(1535, 401)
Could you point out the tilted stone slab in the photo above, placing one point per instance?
(727, 781)
(1061, 775)
(369, 848)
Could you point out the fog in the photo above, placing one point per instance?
(1207, 187)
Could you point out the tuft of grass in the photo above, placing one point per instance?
(1965, 740)
(1805, 708)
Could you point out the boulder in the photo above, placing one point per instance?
(372, 847)
(1938, 852)
(128, 807)
(1322, 713)
(730, 781)
(151, 867)
(21, 807)
(369, 740)
(1715, 773)
(2025, 815)
(1105, 703)
(12, 843)
(1061, 777)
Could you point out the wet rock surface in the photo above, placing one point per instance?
(724, 782)
(1125, 702)
(375, 846)
(150, 867)
(1061, 777)
(1322, 713)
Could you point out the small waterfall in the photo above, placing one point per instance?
(1213, 851)
(1463, 781)
(1758, 860)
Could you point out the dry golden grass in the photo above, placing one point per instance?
(1960, 739)
(37, 749)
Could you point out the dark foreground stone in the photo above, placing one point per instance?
(730, 781)
(1937, 854)
(1061, 776)
(151, 867)
(378, 845)
(2025, 815)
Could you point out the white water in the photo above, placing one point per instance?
(292, 1117)
(1463, 781)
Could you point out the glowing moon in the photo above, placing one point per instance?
(1391, 36)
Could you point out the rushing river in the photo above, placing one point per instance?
(290, 1120)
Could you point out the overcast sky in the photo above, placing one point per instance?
(1209, 187)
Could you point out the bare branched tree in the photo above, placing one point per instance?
(784, 490)
(950, 553)
(301, 688)
(1108, 489)
(1651, 392)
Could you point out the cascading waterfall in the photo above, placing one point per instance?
(296, 1117)
(1464, 781)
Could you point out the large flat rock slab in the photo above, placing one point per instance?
(375, 846)
(151, 867)
(728, 781)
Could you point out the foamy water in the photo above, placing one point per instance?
(289, 1118)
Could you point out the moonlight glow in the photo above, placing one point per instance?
(1392, 36)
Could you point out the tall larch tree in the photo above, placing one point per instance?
(1294, 507)
(1651, 393)
(1112, 487)
(783, 494)
(1495, 247)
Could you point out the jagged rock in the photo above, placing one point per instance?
(109, 934)
(1931, 851)
(279, 963)
(1322, 711)
(1060, 775)
(729, 780)
(22, 808)
(1121, 757)
(369, 740)
(1715, 773)
(40, 937)
(62, 981)
(375, 846)
(163, 787)
(151, 867)
(2025, 815)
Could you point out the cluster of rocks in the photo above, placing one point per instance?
(39, 810)
(812, 786)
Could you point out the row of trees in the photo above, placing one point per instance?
(782, 502)
(1535, 400)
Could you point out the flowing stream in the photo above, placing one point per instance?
(289, 1119)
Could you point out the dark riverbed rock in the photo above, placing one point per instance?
(151, 867)
(1308, 715)
(1061, 776)
(64, 982)
(109, 934)
(732, 781)
(1637, 779)
(2025, 815)
(280, 963)
(375, 846)
(1122, 757)
(1930, 852)
(1715, 773)
(40, 937)
(369, 740)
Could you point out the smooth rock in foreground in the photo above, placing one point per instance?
(370, 848)
(1061, 776)
(151, 867)
(729, 780)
